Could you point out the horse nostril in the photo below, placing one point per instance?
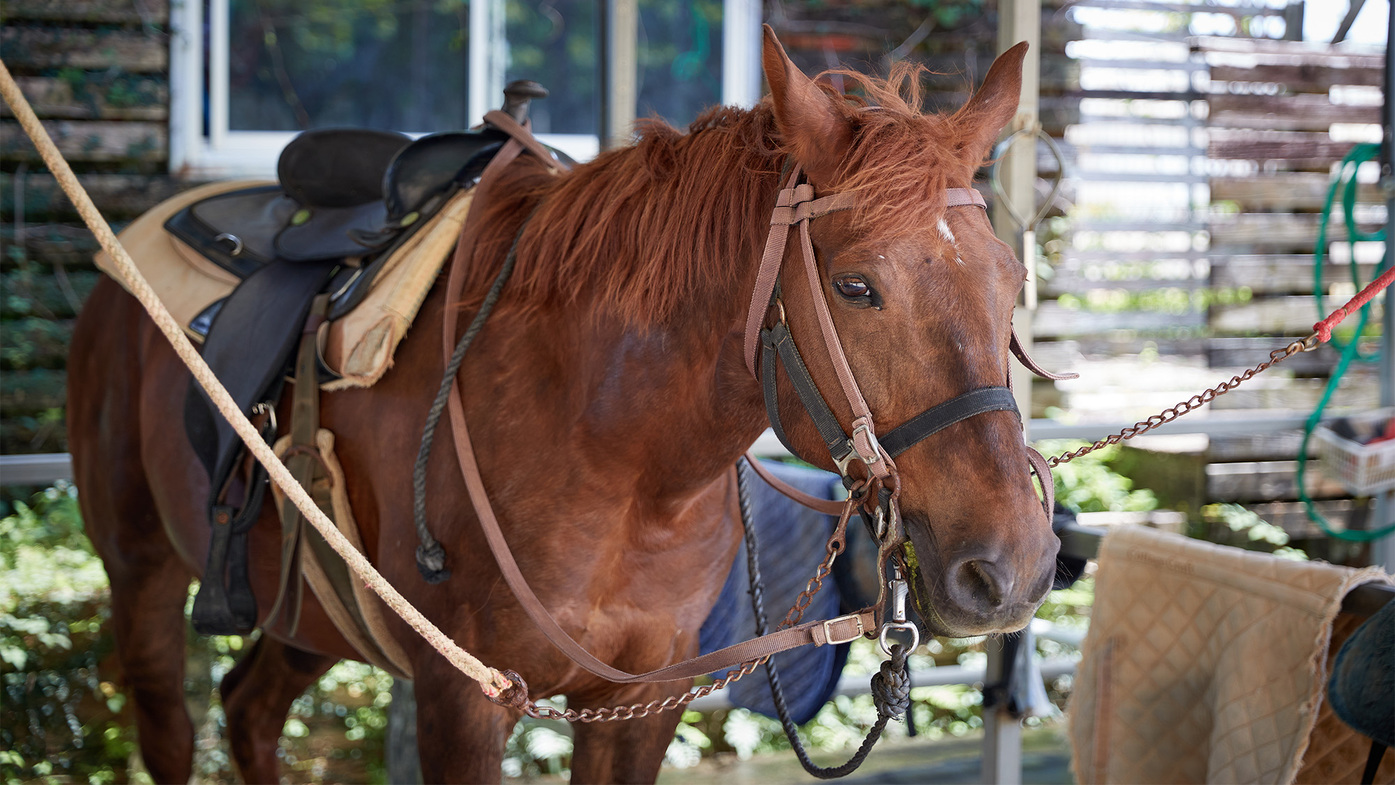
(981, 580)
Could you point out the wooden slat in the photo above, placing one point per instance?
(1063, 353)
(1230, 352)
(44, 295)
(1283, 191)
(36, 434)
(1278, 274)
(1309, 77)
(140, 12)
(1281, 446)
(1071, 282)
(92, 141)
(32, 392)
(34, 343)
(1290, 316)
(1271, 49)
(1266, 481)
(1301, 112)
(50, 47)
(1238, 11)
(1360, 391)
(84, 98)
(116, 195)
(1276, 146)
(1278, 231)
(67, 244)
(1053, 321)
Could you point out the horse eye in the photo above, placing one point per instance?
(852, 287)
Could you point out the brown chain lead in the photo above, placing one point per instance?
(1171, 413)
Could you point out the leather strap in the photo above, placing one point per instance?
(825, 506)
(301, 461)
(937, 418)
(817, 632)
(523, 134)
(1026, 359)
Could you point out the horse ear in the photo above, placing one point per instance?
(995, 103)
(809, 121)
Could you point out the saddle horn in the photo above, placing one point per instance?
(518, 94)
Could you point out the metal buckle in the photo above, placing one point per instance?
(853, 451)
(875, 446)
(828, 637)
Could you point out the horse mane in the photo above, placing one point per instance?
(659, 228)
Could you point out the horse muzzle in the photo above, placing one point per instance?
(980, 588)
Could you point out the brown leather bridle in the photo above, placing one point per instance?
(796, 204)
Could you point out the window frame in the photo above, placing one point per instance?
(223, 153)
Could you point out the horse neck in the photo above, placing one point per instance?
(659, 372)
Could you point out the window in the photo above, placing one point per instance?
(247, 75)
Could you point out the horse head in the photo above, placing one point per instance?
(921, 295)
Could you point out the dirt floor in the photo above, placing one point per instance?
(1045, 761)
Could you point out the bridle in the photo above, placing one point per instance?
(877, 485)
(875, 495)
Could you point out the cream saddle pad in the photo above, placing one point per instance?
(1208, 664)
(359, 346)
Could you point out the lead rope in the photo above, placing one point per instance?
(891, 686)
(491, 681)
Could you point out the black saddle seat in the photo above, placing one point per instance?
(343, 193)
(338, 167)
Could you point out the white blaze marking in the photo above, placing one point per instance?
(943, 226)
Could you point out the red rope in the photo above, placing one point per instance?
(1324, 327)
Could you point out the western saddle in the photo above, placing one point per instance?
(306, 251)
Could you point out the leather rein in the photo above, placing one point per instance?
(875, 496)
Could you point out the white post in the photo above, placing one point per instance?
(218, 86)
(488, 58)
(1018, 20)
(619, 68)
(741, 68)
(186, 82)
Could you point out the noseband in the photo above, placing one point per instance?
(796, 204)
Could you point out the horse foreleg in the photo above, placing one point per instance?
(461, 734)
(257, 693)
(149, 586)
(147, 617)
(625, 750)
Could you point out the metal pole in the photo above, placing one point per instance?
(619, 61)
(1383, 550)
(1018, 20)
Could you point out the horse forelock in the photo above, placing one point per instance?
(674, 223)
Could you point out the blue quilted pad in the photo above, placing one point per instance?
(791, 543)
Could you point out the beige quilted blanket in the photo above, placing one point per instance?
(1208, 664)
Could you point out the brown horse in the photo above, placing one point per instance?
(608, 398)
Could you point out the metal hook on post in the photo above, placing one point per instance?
(1026, 226)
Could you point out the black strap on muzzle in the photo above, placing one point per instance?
(779, 345)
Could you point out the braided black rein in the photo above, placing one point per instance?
(891, 686)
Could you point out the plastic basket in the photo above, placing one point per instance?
(1365, 469)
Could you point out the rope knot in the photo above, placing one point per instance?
(431, 562)
(891, 686)
(514, 696)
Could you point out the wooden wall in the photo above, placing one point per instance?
(97, 73)
(1272, 149)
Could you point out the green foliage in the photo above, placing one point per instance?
(60, 714)
(1231, 524)
(1087, 484)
